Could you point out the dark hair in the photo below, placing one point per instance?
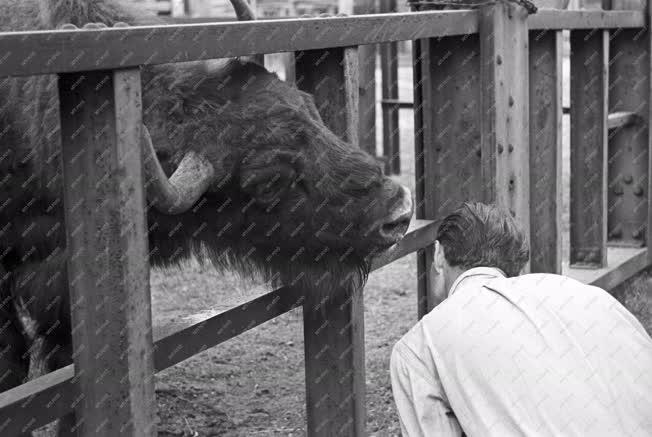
(476, 235)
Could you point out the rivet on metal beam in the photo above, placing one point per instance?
(638, 190)
(616, 232)
(500, 148)
(628, 179)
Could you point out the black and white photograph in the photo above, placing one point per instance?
(322, 218)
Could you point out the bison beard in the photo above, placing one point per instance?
(290, 201)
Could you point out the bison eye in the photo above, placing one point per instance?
(266, 185)
(267, 192)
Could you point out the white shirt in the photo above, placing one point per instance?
(534, 355)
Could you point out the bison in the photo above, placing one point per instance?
(241, 172)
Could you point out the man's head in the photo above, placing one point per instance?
(479, 235)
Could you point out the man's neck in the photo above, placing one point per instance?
(450, 276)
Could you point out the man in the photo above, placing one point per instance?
(509, 355)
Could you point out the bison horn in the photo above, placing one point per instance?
(243, 10)
(187, 184)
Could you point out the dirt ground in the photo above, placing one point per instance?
(253, 385)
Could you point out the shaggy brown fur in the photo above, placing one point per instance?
(294, 203)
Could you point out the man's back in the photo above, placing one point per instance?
(533, 355)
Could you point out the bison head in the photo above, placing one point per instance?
(242, 170)
(255, 176)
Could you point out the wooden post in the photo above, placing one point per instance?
(471, 126)
(504, 105)
(389, 69)
(367, 85)
(649, 123)
(289, 65)
(330, 76)
(418, 70)
(178, 8)
(345, 7)
(629, 80)
(367, 127)
(588, 114)
(545, 79)
(334, 327)
(199, 8)
(447, 138)
(108, 270)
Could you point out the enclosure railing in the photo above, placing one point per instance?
(475, 114)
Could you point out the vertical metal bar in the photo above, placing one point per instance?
(391, 133)
(389, 70)
(629, 80)
(588, 180)
(108, 270)
(334, 326)
(545, 150)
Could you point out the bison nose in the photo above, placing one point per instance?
(394, 228)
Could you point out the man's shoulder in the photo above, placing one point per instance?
(547, 288)
(478, 302)
(551, 280)
(499, 300)
(440, 321)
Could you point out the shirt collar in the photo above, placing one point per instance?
(492, 272)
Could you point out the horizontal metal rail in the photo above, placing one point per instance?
(67, 51)
(397, 103)
(623, 263)
(44, 399)
(622, 118)
(554, 19)
(614, 120)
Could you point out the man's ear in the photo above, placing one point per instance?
(439, 261)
